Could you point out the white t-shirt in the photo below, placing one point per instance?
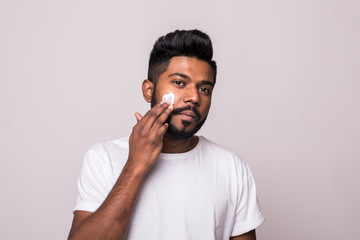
(206, 193)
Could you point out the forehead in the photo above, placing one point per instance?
(192, 67)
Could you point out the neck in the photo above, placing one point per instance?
(175, 145)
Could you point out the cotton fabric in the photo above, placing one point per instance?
(206, 193)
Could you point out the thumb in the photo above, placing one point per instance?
(138, 116)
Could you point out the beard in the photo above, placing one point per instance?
(182, 134)
(172, 130)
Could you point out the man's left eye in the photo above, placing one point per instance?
(206, 90)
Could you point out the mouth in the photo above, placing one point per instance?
(188, 115)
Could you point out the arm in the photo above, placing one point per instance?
(246, 236)
(248, 213)
(111, 219)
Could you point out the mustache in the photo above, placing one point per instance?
(188, 107)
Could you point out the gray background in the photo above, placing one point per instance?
(287, 100)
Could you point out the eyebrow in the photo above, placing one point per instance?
(180, 75)
(205, 82)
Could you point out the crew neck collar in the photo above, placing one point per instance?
(184, 154)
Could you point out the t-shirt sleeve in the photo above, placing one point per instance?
(248, 212)
(93, 184)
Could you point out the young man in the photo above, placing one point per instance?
(163, 182)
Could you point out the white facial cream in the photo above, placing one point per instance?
(170, 97)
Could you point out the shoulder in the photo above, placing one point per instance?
(223, 158)
(106, 149)
(220, 151)
(112, 152)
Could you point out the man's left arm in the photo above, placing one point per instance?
(246, 236)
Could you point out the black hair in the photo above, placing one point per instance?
(189, 43)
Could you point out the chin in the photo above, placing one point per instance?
(185, 131)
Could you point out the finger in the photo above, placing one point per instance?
(159, 122)
(138, 116)
(150, 113)
(162, 130)
(153, 114)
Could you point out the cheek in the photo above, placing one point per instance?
(205, 106)
(160, 94)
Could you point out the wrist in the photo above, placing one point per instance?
(135, 170)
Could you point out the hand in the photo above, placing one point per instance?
(146, 139)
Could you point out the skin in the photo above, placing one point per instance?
(191, 81)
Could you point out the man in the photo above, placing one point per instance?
(163, 182)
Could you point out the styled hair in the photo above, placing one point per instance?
(189, 43)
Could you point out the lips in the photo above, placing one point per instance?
(188, 115)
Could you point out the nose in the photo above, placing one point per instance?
(192, 95)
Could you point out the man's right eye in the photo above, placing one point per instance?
(178, 82)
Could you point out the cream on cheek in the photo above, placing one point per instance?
(169, 97)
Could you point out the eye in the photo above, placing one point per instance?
(179, 82)
(205, 90)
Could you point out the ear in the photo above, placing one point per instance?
(147, 89)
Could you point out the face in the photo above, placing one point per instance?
(191, 81)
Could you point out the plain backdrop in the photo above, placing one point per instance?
(286, 100)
